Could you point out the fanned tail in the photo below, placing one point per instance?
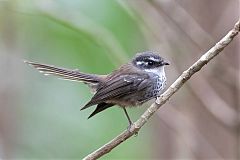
(73, 75)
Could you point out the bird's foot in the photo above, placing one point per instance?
(129, 129)
(129, 126)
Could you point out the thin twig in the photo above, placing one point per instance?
(184, 77)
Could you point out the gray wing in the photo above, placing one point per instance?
(120, 87)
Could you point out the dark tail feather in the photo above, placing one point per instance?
(89, 104)
(67, 74)
(100, 107)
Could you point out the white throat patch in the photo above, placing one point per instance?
(158, 71)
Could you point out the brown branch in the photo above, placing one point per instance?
(214, 51)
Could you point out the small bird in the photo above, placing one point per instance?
(133, 84)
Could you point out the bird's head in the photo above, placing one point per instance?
(149, 60)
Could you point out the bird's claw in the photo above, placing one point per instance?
(129, 129)
(129, 126)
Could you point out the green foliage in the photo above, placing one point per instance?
(94, 36)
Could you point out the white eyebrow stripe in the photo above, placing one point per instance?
(153, 59)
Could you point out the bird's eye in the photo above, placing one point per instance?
(150, 63)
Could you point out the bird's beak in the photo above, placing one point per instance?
(166, 63)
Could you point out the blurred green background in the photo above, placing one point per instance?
(93, 36)
(39, 115)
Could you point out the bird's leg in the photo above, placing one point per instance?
(129, 120)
